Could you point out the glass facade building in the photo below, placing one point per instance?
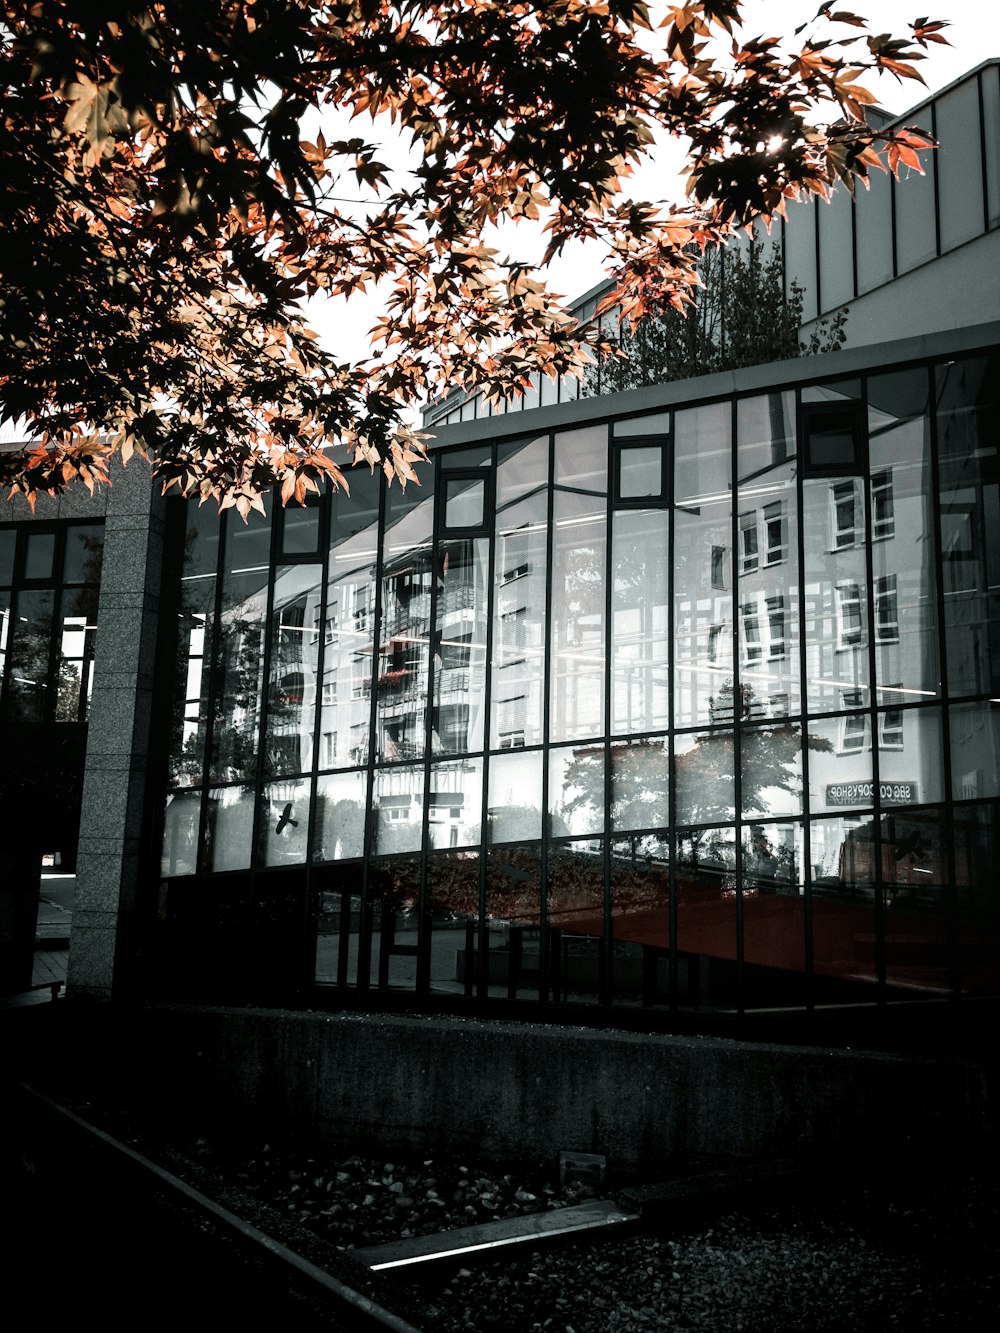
(695, 705)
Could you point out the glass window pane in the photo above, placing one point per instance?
(453, 901)
(873, 220)
(455, 812)
(576, 920)
(840, 763)
(640, 472)
(465, 502)
(703, 464)
(916, 879)
(180, 834)
(706, 913)
(30, 644)
(640, 784)
(576, 790)
(522, 469)
(640, 918)
(513, 921)
(294, 662)
(39, 553)
(774, 934)
(910, 757)
(394, 896)
(634, 428)
(84, 552)
(581, 458)
(768, 596)
(639, 621)
(703, 626)
(8, 543)
(515, 796)
(460, 636)
(843, 856)
(970, 522)
(704, 777)
(765, 432)
(905, 587)
(771, 770)
(300, 529)
(959, 165)
(579, 553)
(398, 806)
(404, 635)
(916, 238)
(239, 649)
(977, 855)
(836, 249)
(195, 621)
(519, 625)
(349, 632)
(975, 750)
(284, 827)
(836, 588)
(229, 829)
(340, 816)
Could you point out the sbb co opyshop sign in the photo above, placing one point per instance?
(862, 793)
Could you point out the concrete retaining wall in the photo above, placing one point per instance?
(512, 1090)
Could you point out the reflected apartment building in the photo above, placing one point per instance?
(681, 698)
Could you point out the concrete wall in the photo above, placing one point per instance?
(518, 1091)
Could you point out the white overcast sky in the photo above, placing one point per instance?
(974, 34)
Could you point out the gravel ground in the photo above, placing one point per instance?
(918, 1254)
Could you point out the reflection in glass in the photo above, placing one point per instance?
(706, 899)
(8, 544)
(576, 790)
(903, 554)
(765, 432)
(519, 622)
(515, 797)
(456, 803)
(639, 621)
(394, 901)
(970, 521)
(975, 750)
(404, 634)
(704, 777)
(774, 935)
(581, 458)
(180, 834)
(284, 827)
(453, 902)
(579, 553)
(460, 643)
(340, 816)
(576, 919)
(513, 921)
(300, 529)
(767, 564)
(640, 472)
(840, 762)
(30, 644)
(229, 829)
(916, 878)
(239, 650)
(843, 856)
(76, 656)
(464, 503)
(640, 784)
(294, 661)
(39, 553)
(338, 929)
(195, 623)
(349, 633)
(522, 469)
(640, 918)
(977, 854)
(836, 586)
(771, 770)
(85, 552)
(398, 806)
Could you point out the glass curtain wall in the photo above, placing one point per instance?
(696, 708)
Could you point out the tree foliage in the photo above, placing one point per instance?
(739, 316)
(170, 200)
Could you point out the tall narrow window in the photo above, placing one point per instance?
(849, 619)
(775, 534)
(890, 729)
(883, 509)
(752, 649)
(776, 627)
(844, 501)
(719, 579)
(853, 731)
(749, 552)
(886, 610)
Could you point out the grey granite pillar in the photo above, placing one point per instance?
(103, 942)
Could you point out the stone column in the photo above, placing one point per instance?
(104, 938)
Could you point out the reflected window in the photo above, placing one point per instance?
(886, 609)
(883, 509)
(850, 625)
(833, 437)
(890, 729)
(640, 472)
(844, 502)
(775, 534)
(465, 502)
(853, 731)
(749, 551)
